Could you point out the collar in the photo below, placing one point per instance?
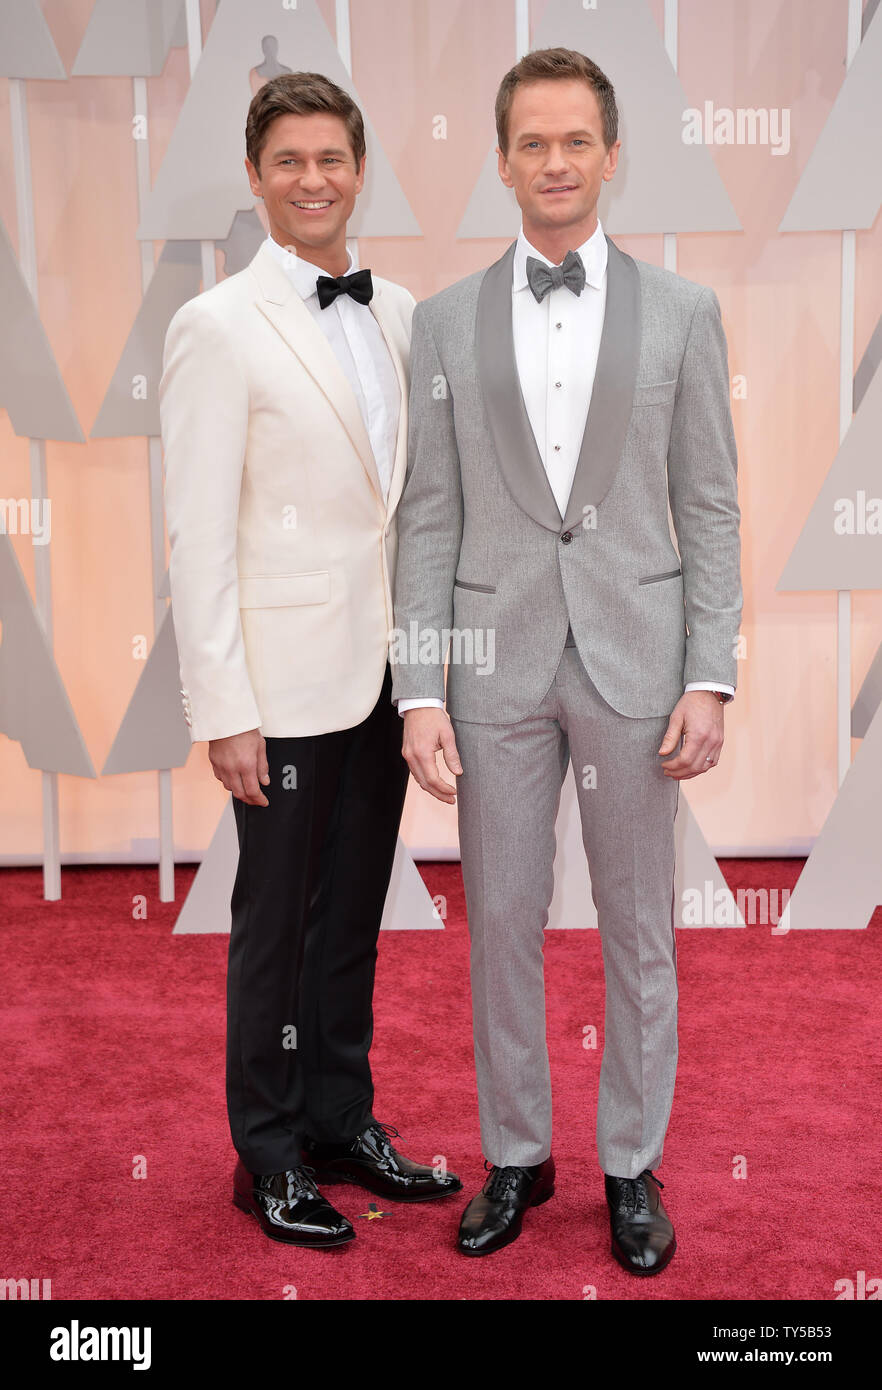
(594, 253)
(302, 274)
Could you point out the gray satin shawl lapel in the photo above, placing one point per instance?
(611, 398)
(507, 415)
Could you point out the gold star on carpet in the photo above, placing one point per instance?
(372, 1212)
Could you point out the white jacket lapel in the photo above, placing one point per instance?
(279, 302)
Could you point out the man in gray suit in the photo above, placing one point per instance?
(536, 531)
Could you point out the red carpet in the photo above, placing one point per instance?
(113, 1041)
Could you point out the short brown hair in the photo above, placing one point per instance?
(557, 64)
(300, 94)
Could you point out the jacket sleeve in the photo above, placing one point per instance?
(703, 492)
(203, 402)
(430, 519)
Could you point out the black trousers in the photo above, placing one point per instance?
(314, 868)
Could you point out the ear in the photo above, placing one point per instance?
(612, 160)
(253, 178)
(359, 174)
(504, 170)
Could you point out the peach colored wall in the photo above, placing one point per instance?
(414, 59)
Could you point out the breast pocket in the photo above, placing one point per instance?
(658, 578)
(655, 393)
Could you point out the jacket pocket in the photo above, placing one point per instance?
(656, 393)
(657, 578)
(284, 590)
(479, 588)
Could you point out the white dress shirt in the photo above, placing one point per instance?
(556, 346)
(359, 346)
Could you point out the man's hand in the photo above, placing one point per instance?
(697, 718)
(425, 732)
(240, 763)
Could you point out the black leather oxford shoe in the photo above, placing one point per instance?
(643, 1238)
(372, 1162)
(493, 1219)
(290, 1208)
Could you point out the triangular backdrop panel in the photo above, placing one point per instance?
(243, 243)
(841, 884)
(699, 884)
(34, 708)
(824, 557)
(869, 698)
(209, 137)
(409, 906)
(130, 38)
(26, 45)
(153, 734)
(841, 185)
(131, 405)
(207, 905)
(867, 366)
(661, 184)
(697, 872)
(31, 388)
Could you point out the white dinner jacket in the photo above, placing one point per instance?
(283, 548)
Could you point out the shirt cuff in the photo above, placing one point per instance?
(431, 702)
(727, 690)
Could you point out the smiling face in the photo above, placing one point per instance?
(557, 162)
(309, 181)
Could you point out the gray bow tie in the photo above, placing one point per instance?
(542, 278)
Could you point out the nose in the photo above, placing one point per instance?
(312, 179)
(556, 161)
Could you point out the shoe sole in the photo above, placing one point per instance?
(644, 1273)
(328, 1178)
(538, 1202)
(244, 1205)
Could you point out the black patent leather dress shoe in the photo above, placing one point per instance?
(370, 1161)
(493, 1219)
(643, 1238)
(290, 1208)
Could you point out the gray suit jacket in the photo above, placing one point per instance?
(484, 553)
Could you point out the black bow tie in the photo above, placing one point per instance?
(359, 285)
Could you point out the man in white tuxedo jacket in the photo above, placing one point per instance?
(283, 407)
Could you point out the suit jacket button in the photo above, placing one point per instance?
(567, 537)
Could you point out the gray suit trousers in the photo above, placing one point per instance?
(508, 798)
